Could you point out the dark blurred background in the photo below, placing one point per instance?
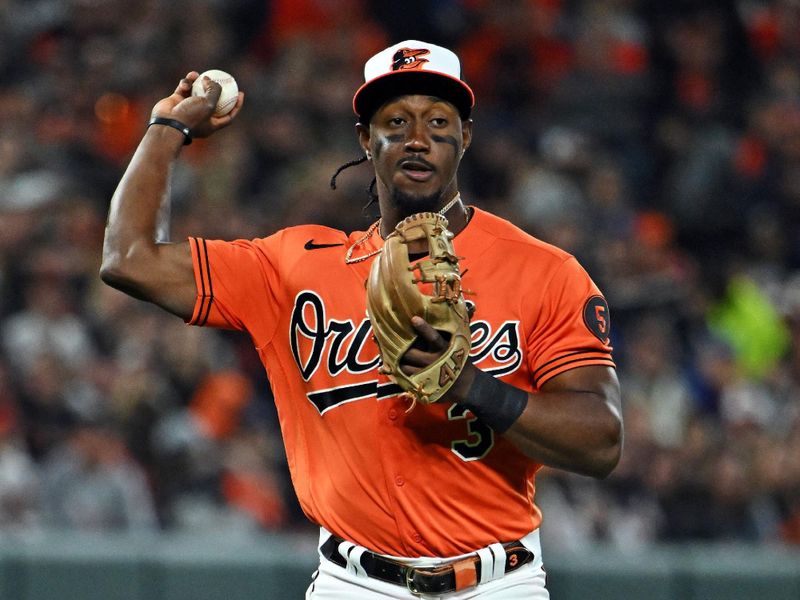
(657, 141)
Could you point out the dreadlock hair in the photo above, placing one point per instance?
(373, 197)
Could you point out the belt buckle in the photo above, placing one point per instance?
(427, 571)
(440, 570)
(410, 571)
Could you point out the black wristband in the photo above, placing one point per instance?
(176, 124)
(494, 402)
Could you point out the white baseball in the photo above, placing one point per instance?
(230, 91)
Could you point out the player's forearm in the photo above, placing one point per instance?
(574, 431)
(574, 423)
(138, 207)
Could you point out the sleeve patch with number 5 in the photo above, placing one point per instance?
(597, 318)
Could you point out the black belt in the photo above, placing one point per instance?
(442, 579)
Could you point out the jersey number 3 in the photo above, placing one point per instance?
(481, 437)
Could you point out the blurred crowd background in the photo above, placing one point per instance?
(657, 141)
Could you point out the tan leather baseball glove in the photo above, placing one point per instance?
(430, 288)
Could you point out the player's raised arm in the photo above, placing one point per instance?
(137, 256)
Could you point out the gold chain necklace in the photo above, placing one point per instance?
(348, 257)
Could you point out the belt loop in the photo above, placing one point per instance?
(355, 559)
(344, 551)
(499, 560)
(487, 564)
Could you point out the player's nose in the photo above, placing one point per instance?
(417, 137)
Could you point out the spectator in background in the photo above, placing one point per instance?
(19, 473)
(46, 324)
(90, 483)
(656, 384)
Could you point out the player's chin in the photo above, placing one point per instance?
(417, 198)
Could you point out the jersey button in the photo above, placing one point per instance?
(416, 537)
(399, 481)
(392, 414)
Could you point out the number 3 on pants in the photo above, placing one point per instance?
(481, 437)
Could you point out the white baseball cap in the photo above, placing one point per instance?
(412, 67)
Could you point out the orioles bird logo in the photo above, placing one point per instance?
(407, 59)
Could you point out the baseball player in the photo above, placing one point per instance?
(436, 501)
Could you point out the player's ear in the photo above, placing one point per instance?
(466, 135)
(363, 138)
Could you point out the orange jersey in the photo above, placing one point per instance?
(434, 481)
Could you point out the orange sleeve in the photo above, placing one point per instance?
(573, 328)
(236, 283)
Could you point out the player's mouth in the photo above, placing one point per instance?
(417, 169)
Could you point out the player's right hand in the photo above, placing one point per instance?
(196, 112)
